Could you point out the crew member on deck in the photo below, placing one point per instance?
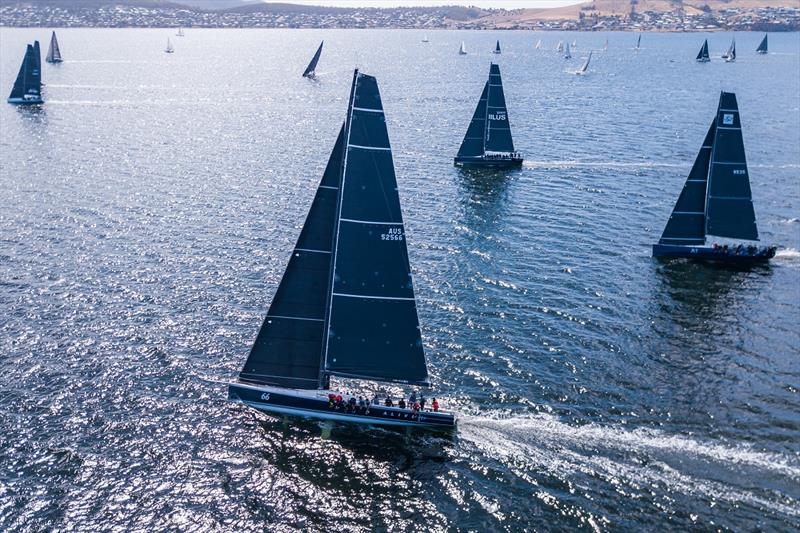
(435, 405)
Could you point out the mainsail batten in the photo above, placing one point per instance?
(287, 350)
(730, 211)
(372, 323)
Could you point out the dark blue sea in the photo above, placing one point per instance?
(148, 209)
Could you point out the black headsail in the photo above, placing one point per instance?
(729, 202)
(53, 53)
(498, 129)
(312, 66)
(28, 85)
(702, 55)
(373, 325)
(473, 143)
(762, 48)
(687, 223)
(289, 345)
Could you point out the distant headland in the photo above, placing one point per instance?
(597, 15)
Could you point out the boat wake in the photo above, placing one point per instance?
(631, 457)
(788, 254)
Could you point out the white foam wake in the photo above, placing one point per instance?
(636, 458)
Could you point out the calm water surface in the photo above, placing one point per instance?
(148, 209)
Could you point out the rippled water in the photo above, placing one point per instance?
(148, 209)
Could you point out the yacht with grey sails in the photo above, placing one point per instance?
(345, 306)
(716, 201)
(488, 141)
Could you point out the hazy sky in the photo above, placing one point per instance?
(507, 4)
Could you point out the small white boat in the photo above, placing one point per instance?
(463, 50)
(169, 49)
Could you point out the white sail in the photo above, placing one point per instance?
(463, 49)
(425, 39)
(560, 46)
(605, 46)
(538, 44)
(169, 49)
(567, 54)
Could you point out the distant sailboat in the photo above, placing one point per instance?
(560, 46)
(54, 52)
(605, 46)
(169, 49)
(312, 65)
(425, 39)
(730, 55)
(762, 48)
(539, 44)
(180, 32)
(638, 43)
(27, 88)
(574, 43)
(702, 55)
(716, 199)
(345, 305)
(585, 67)
(497, 48)
(488, 141)
(567, 54)
(463, 50)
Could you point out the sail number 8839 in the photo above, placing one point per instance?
(394, 234)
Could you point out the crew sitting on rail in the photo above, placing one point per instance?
(435, 405)
(388, 402)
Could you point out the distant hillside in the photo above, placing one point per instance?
(596, 15)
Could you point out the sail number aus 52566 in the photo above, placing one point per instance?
(394, 234)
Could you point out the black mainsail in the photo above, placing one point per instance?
(28, 85)
(497, 48)
(687, 223)
(762, 47)
(729, 202)
(702, 55)
(345, 305)
(309, 72)
(287, 351)
(54, 52)
(373, 328)
(489, 130)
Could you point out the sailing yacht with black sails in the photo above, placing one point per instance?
(27, 89)
(345, 305)
(716, 200)
(488, 141)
